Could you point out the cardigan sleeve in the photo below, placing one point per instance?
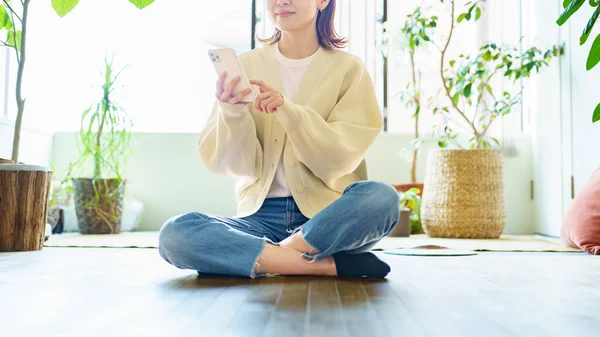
(228, 144)
(335, 146)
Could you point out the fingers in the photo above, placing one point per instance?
(262, 97)
(268, 104)
(261, 84)
(239, 97)
(226, 95)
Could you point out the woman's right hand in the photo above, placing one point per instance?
(225, 92)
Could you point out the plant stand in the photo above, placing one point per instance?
(24, 194)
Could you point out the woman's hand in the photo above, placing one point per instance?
(225, 93)
(269, 99)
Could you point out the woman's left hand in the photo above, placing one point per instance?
(269, 99)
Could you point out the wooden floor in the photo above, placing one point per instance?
(132, 292)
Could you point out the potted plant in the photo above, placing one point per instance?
(464, 188)
(104, 140)
(571, 7)
(409, 222)
(411, 38)
(25, 189)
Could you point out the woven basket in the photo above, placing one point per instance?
(463, 195)
(99, 205)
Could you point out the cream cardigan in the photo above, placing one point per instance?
(330, 124)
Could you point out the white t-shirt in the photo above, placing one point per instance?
(291, 71)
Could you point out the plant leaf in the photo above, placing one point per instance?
(477, 13)
(141, 3)
(461, 17)
(596, 115)
(566, 3)
(10, 39)
(588, 28)
(4, 18)
(594, 56)
(467, 90)
(573, 7)
(63, 7)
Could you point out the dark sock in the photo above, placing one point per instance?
(360, 265)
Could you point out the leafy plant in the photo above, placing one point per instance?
(104, 135)
(571, 7)
(467, 83)
(417, 30)
(411, 200)
(468, 97)
(14, 16)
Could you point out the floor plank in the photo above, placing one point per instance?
(132, 292)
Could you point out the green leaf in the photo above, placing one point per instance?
(489, 89)
(141, 3)
(566, 3)
(477, 13)
(596, 115)
(63, 7)
(417, 111)
(487, 55)
(467, 90)
(594, 56)
(452, 63)
(455, 99)
(10, 39)
(4, 18)
(442, 143)
(573, 7)
(461, 17)
(588, 28)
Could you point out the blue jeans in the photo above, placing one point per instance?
(365, 213)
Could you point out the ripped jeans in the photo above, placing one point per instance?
(365, 213)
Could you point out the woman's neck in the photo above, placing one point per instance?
(299, 44)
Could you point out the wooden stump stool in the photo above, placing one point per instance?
(24, 194)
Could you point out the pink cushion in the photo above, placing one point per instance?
(581, 226)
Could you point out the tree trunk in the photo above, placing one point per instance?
(19, 96)
(24, 194)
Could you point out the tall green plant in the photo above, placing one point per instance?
(14, 18)
(415, 33)
(105, 132)
(571, 7)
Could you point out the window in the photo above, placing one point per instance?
(168, 85)
(427, 59)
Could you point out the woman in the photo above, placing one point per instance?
(305, 206)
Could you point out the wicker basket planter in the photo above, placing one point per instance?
(99, 205)
(463, 195)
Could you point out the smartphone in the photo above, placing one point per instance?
(226, 60)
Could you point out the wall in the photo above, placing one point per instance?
(566, 143)
(169, 178)
(35, 147)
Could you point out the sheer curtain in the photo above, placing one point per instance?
(168, 85)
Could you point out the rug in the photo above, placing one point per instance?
(507, 243)
(430, 250)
